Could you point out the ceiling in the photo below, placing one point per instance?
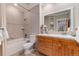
(27, 6)
(23, 7)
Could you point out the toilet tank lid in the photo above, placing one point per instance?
(32, 38)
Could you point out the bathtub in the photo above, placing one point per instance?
(14, 46)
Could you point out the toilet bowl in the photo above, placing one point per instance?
(28, 46)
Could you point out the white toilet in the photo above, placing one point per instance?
(28, 46)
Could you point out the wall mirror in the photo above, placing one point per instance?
(60, 22)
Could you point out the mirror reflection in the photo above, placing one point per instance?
(58, 22)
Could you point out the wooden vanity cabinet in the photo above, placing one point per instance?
(51, 46)
(44, 45)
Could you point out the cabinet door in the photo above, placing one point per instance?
(45, 46)
(48, 45)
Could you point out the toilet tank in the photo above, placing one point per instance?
(32, 38)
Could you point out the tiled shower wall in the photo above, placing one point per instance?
(32, 21)
(14, 22)
(27, 23)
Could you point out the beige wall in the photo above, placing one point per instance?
(14, 22)
(54, 7)
(35, 20)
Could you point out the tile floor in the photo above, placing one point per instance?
(32, 53)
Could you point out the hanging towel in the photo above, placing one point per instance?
(6, 35)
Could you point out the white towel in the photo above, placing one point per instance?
(1, 34)
(6, 35)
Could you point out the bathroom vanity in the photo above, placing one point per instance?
(57, 45)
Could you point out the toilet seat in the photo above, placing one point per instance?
(31, 42)
(28, 45)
